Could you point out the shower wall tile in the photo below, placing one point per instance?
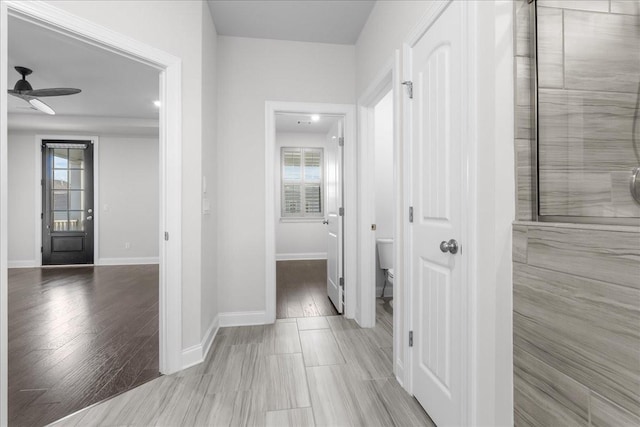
(523, 98)
(593, 5)
(569, 193)
(547, 395)
(584, 328)
(613, 257)
(601, 51)
(550, 60)
(523, 28)
(606, 413)
(524, 180)
(519, 238)
(583, 130)
(623, 205)
(629, 7)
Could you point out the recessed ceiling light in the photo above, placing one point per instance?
(156, 103)
(315, 118)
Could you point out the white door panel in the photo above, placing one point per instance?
(334, 226)
(437, 119)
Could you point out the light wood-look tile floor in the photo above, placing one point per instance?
(324, 371)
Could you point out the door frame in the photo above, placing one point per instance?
(38, 191)
(349, 199)
(170, 136)
(386, 81)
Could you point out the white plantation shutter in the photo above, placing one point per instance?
(302, 192)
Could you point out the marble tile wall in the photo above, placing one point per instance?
(576, 298)
(588, 76)
(576, 324)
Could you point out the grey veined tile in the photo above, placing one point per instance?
(319, 347)
(606, 413)
(601, 52)
(316, 322)
(282, 338)
(285, 382)
(550, 48)
(546, 394)
(592, 5)
(301, 417)
(629, 7)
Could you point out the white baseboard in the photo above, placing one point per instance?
(307, 256)
(29, 263)
(128, 261)
(197, 353)
(243, 318)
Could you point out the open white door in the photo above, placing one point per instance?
(437, 114)
(335, 287)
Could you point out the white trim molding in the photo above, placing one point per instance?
(128, 261)
(301, 256)
(350, 270)
(243, 318)
(198, 353)
(27, 263)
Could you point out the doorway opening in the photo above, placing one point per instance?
(308, 227)
(77, 336)
(384, 227)
(320, 198)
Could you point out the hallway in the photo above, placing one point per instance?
(296, 372)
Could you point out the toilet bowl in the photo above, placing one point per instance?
(385, 259)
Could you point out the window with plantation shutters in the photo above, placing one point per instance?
(302, 186)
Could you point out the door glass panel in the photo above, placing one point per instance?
(75, 179)
(76, 159)
(60, 179)
(60, 221)
(76, 199)
(76, 221)
(60, 200)
(60, 158)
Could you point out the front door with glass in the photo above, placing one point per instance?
(67, 200)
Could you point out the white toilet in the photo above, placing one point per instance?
(385, 258)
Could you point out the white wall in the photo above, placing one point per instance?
(209, 299)
(252, 71)
(175, 27)
(383, 154)
(298, 239)
(128, 192)
(388, 25)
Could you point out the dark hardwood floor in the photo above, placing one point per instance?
(78, 336)
(301, 289)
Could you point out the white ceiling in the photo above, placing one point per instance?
(326, 21)
(302, 123)
(112, 85)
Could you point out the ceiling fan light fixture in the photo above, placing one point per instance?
(41, 106)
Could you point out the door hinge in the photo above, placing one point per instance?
(410, 338)
(410, 213)
(341, 211)
(409, 85)
(41, 216)
(166, 235)
(41, 249)
(341, 141)
(342, 282)
(41, 182)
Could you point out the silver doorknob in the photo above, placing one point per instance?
(324, 221)
(451, 246)
(89, 218)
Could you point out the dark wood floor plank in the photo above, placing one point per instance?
(77, 336)
(301, 288)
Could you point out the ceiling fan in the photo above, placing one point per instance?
(23, 90)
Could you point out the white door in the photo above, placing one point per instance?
(333, 219)
(436, 184)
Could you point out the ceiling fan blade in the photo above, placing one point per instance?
(41, 106)
(54, 91)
